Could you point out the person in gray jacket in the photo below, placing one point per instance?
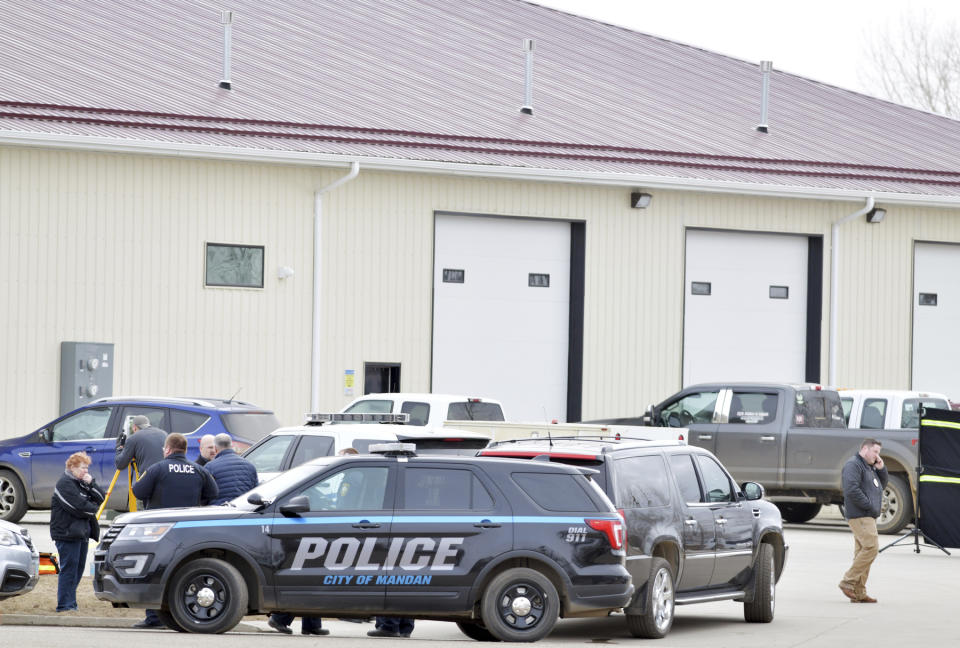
(145, 445)
(864, 478)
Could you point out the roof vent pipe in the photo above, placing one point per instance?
(527, 107)
(765, 68)
(226, 19)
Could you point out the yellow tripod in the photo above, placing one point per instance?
(132, 476)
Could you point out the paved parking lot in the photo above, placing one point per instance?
(916, 592)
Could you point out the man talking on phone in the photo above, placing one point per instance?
(864, 478)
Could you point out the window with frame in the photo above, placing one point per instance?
(238, 266)
(686, 476)
(642, 482)
(446, 489)
(716, 482)
(692, 408)
(752, 408)
(357, 488)
(86, 424)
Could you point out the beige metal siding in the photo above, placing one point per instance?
(110, 248)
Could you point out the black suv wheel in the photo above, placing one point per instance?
(657, 620)
(520, 605)
(207, 595)
(760, 609)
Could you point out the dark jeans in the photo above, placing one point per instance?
(73, 558)
(309, 622)
(403, 625)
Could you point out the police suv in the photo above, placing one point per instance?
(501, 546)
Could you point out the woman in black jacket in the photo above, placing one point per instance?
(73, 522)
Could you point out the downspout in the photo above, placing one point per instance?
(835, 281)
(317, 276)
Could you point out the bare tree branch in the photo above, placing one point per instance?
(917, 63)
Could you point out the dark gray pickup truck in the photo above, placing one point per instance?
(793, 440)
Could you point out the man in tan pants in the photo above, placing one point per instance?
(864, 478)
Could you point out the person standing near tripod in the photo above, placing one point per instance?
(864, 478)
(145, 445)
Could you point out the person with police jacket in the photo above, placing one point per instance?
(73, 523)
(173, 482)
(234, 474)
(864, 478)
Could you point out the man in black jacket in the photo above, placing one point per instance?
(173, 482)
(864, 478)
(73, 522)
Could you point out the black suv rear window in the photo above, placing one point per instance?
(642, 482)
(556, 491)
(471, 411)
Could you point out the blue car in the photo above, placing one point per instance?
(31, 465)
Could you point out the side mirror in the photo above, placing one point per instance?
(296, 505)
(752, 490)
(45, 435)
(255, 499)
(648, 416)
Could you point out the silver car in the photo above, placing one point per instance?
(19, 561)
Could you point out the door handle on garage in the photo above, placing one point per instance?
(768, 438)
(487, 524)
(366, 524)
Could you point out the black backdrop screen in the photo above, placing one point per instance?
(939, 492)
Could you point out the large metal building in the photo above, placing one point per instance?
(306, 200)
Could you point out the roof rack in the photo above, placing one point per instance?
(584, 437)
(159, 399)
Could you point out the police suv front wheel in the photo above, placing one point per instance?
(208, 596)
(520, 604)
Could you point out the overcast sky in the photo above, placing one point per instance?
(820, 39)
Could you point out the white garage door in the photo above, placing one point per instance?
(501, 312)
(745, 307)
(936, 318)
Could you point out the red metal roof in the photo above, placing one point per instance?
(441, 81)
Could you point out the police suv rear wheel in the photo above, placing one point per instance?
(475, 631)
(520, 605)
(169, 621)
(208, 596)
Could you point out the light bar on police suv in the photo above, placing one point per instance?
(356, 417)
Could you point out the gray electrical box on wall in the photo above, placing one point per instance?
(86, 373)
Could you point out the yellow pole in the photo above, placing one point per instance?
(107, 496)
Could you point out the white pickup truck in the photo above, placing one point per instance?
(429, 410)
(886, 409)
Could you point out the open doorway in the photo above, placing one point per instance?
(381, 377)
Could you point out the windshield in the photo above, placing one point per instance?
(274, 488)
(251, 426)
(268, 456)
(371, 406)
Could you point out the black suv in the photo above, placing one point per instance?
(693, 536)
(502, 547)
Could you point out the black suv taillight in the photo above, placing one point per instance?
(613, 529)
